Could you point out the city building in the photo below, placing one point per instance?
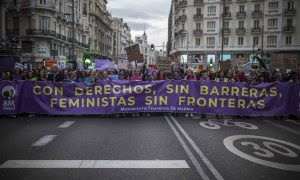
(43, 29)
(100, 28)
(2, 20)
(250, 27)
(121, 39)
(150, 57)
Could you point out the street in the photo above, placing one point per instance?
(158, 147)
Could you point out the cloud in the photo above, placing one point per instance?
(138, 26)
(137, 13)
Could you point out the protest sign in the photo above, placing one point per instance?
(164, 64)
(134, 53)
(110, 97)
(225, 65)
(102, 64)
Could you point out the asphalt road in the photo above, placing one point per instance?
(157, 147)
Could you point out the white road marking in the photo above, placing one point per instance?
(229, 144)
(97, 164)
(292, 121)
(210, 166)
(188, 151)
(66, 124)
(283, 127)
(44, 141)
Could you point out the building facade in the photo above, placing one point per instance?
(100, 28)
(121, 39)
(150, 57)
(195, 28)
(43, 29)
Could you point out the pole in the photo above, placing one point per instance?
(73, 31)
(223, 24)
(263, 31)
(187, 48)
(253, 54)
(163, 49)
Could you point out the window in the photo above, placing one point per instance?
(54, 25)
(198, 26)
(241, 25)
(211, 10)
(198, 11)
(227, 10)
(183, 27)
(44, 23)
(271, 40)
(59, 29)
(183, 11)
(289, 22)
(44, 2)
(69, 32)
(256, 24)
(84, 9)
(211, 26)
(257, 7)
(288, 40)
(255, 40)
(290, 5)
(273, 6)
(272, 23)
(198, 41)
(210, 41)
(242, 9)
(226, 41)
(240, 41)
(226, 25)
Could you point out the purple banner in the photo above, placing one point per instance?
(111, 97)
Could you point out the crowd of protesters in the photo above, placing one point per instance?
(75, 76)
(255, 77)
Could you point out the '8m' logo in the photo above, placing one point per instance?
(8, 93)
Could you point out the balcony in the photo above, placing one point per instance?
(289, 28)
(198, 2)
(12, 32)
(290, 12)
(70, 40)
(256, 30)
(198, 32)
(182, 4)
(181, 33)
(241, 14)
(256, 13)
(182, 18)
(227, 31)
(227, 15)
(240, 30)
(40, 32)
(241, 1)
(198, 17)
(34, 5)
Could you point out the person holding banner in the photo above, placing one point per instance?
(221, 77)
(190, 77)
(230, 76)
(204, 77)
(105, 76)
(42, 76)
(136, 76)
(84, 78)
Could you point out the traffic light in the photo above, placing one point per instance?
(152, 47)
(211, 62)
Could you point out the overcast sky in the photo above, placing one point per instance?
(137, 13)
